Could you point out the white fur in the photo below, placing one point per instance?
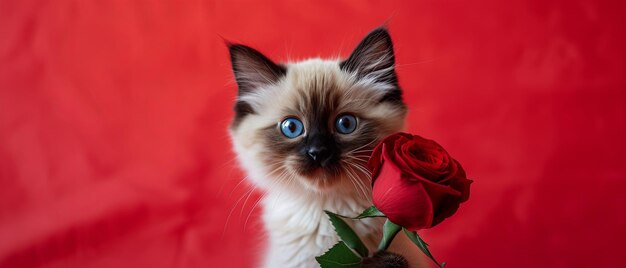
(299, 230)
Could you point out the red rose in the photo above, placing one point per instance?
(416, 183)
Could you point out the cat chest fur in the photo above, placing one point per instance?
(299, 230)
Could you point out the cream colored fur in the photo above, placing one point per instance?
(293, 208)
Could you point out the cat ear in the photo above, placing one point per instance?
(252, 69)
(373, 58)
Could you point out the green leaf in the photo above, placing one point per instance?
(369, 213)
(339, 256)
(347, 235)
(390, 230)
(417, 240)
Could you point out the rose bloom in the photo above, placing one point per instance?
(416, 183)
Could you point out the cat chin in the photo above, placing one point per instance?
(323, 185)
(315, 180)
(322, 182)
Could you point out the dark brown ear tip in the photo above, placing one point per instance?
(227, 42)
(240, 52)
(381, 31)
(235, 47)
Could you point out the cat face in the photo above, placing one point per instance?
(311, 125)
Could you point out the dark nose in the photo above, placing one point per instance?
(319, 154)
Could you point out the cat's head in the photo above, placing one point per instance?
(311, 125)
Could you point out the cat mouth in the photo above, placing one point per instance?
(320, 173)
(319, 178)
(313, 172)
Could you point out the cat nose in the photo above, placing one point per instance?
(318, 153)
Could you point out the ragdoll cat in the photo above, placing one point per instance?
(303, 131)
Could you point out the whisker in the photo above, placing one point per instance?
(355, 181)
(366, 188)
(247, 195)
(237, 185)
(289, 179)
(365, 172)
(278, 180)
(349, 175)
(362, 151)
(245, 224)
(358, 158)
(358, 187)
(233, 209)
(364, 146)
(246, 201)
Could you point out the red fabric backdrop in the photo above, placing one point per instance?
(113, 117)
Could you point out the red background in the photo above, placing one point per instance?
(113, 118)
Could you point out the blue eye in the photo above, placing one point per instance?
(345, 124)
(291, 127)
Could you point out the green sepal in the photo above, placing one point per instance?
(370, 213)
(390, 230)
(347, 235)
(417, 240)
(339, 256)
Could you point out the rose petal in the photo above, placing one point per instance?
(461, 183)
(446, 207)
(430, 163)
(404, 202)
(410, 175)
(453, 170)
(376, 160)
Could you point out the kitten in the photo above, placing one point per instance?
(303, 131)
